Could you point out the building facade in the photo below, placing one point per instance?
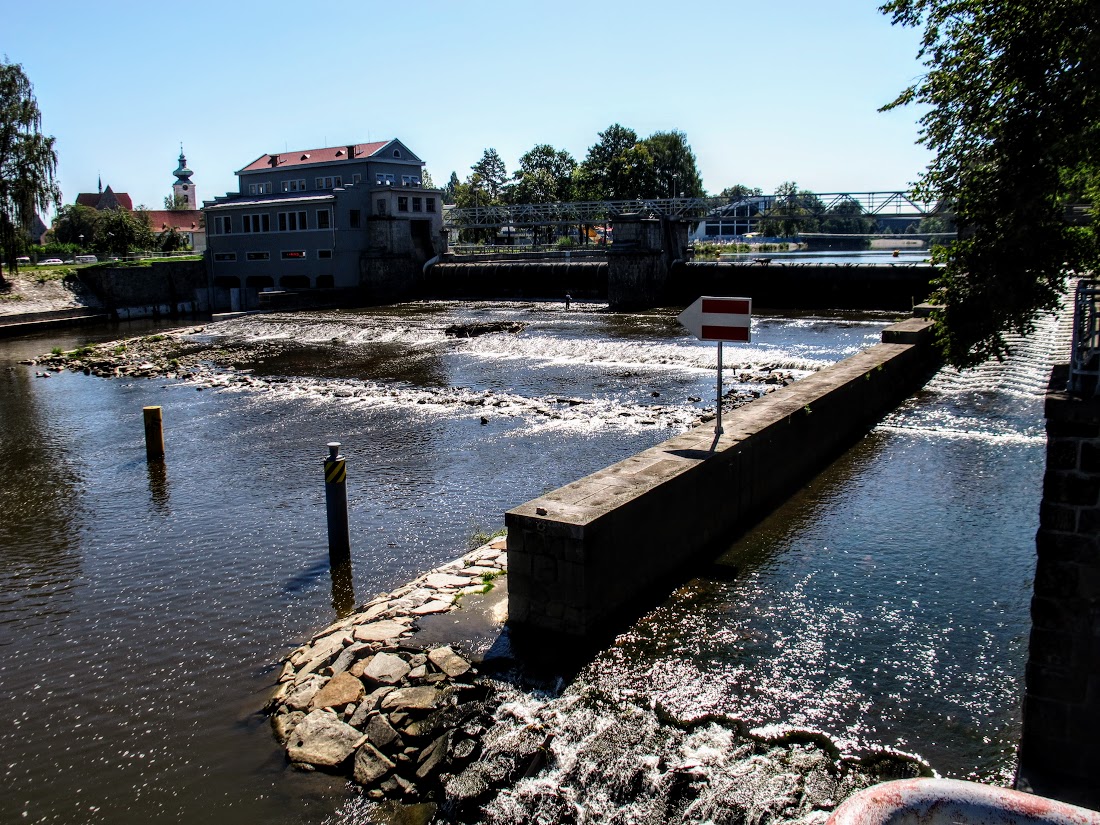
(353, 216)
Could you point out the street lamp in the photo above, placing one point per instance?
(81, 238)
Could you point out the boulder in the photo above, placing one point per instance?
(413, 698)
(380, 732)
(380, 631)
(370, 765)
(322, 739)
(386, 669)
(432, 757)
(448, 661)
(342, 689)
(302, 693)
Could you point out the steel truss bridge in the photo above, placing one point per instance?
(758, 208)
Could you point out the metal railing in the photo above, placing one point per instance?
(1084, 366)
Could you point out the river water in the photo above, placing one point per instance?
(143, 612)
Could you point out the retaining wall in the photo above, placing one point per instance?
(582, 557)
(1060, 745)
(162, 288)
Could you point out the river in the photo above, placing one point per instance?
(143, 613)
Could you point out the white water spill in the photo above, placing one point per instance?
(574, 371)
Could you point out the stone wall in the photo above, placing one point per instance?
(161, 288)
(587, 555)
(1060, 747)
(518, 279)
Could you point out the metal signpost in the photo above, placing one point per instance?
(719, 319)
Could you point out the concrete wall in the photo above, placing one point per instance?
(1060, 747)
(163, 288)
(588, 553)
(519, 279)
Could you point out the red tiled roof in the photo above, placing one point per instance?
(186, 220)
(93, 199)
(307, 157)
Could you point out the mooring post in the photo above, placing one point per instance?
(336, 502)
(154, 434)
(718, 403)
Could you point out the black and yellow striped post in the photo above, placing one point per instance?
(336, 502)
(154, 434)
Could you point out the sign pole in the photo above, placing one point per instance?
(718, 403)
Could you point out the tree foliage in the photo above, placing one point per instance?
(739, 192)
(617, 167)
(119, 231)
(489, 174)
(176, 203)
(675, 173)
(1013, 95)
(28, 162)
(545, 175)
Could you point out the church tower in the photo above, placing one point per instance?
(183, 188)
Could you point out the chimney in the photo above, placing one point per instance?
(274, 160)
(351, 152)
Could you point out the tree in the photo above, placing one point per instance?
(1012, 92)
(674, 170)
(793, 211)
(847, 218)
(426, 181)
(490, 173)
(545, 175)
(170, 240)
(120, 231)
(176, 203)
(739, 192)
(451, 187)
(28, 163)
(75, 224)
(617, 167)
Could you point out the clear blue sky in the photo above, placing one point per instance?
(766, 92)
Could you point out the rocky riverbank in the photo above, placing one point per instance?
(364, 699)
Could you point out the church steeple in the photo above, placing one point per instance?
(183, 188)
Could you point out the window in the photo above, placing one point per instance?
(225, 256)
(257, 256)
(252, 189)
(356, 178)
(224, 224)
(323, 218)
(353, 218)
(410, 180)
(324, 253)
(396, 153)
(293, 254)
(384, 180)
(417, 204)
(260, 188)
(429, 204)
(402, 204)
(381, 206)
(292, 221)
(257, 223)
(329, 182)
(294, 186)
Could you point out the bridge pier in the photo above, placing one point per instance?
(641, 258)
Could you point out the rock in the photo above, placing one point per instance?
(380, 732)
(432, 757)
(434, 606)
(380, 631)
(413, 698)
(342, 689)
(472, 330)
(418, 672)
(448, 661)
(442, 580)
(370, 765)
(386, 669)
(283, 725)
(322, 739)
(302, 693)
(349, 655)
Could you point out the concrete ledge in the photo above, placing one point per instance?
(582, 554)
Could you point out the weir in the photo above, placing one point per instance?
(582, 556)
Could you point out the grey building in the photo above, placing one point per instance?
(344, 217)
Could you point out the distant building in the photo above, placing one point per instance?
(352, 216)
(188, 222)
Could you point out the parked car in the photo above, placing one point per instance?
(86, 259)
(52, 262)
(22, 259)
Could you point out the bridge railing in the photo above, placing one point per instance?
(762, 207)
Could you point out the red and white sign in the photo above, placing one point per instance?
(719, 319)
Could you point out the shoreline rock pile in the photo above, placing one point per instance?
(361, 698)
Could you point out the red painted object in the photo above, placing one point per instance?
(719, 319)
(953, 802)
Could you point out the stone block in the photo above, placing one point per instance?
(1071, 488)
(1062, 453)
(1051, 648)
(1072, 429)
(1065, 546)
(1048, 716)
(1057, 517)
(1055, 578)
(1058, 614)
(1089, 461)
(1088, 521)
